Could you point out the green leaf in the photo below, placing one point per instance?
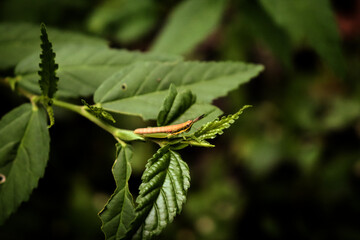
(190, 23)
(82, 68)
(216, 127)
(265, 29)
(174, 105)
(165, 182)
(140, 88)
(318, 27)
(99, 112)
(24, 151)
(19, 40)
(127, 19)
(119, 212)
(50, 112)
(48, 79)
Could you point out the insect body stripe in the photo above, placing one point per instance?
(172, 129)
(165, 129)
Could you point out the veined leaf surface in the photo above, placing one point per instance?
(82, 68)
(216, 127)
(119, 212)
(24, 150)
(175, 104)
(19, 40)
(140, 89)
(162, 193)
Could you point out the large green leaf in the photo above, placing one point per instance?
(18, 40)
(261, 25)
(188, 25)
(313, 20)
(24, 150)
(82, 68)
(141, 88)
(162, 193)
(128, 20)
(119, 212)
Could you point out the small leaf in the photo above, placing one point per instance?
(189, 24)
(165, 109)
(50, 113)
(99, 112)
(119, 212)
(175, 105)
(48, 79)
(127, 135)
(162, 193)
(147, 84)
(216, 127)
(24, 151)
(82, 68)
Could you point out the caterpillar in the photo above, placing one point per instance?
(167, 131)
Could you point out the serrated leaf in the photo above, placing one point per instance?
(48, 79)
(216, 127)
(174, 106)
(24, 151)
(19, 40)
(318, 27)
(196, 110)
(190, 23)
(162, 193)
(119, 211)
(82, 68)
(99, 112)
(140, 88)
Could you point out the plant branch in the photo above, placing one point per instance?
(120, 135)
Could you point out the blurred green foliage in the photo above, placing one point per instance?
(289, 168)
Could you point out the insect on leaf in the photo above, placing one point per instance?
(147, 84)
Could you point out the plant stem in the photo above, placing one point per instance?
(121, 135)
(82, 111)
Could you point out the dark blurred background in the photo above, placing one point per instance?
(289, 168)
